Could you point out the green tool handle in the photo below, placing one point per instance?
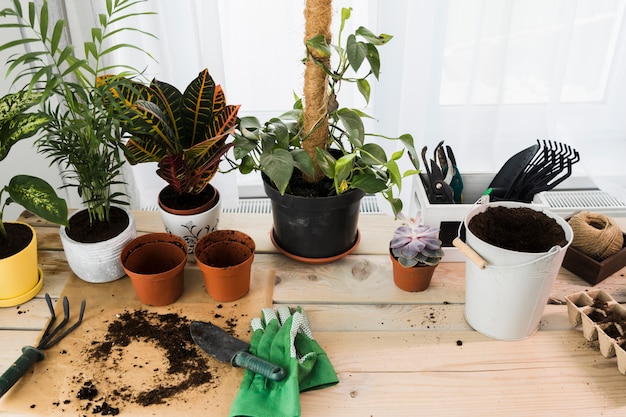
(30, 355)
(243, 359)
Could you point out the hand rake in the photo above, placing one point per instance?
(50, 337)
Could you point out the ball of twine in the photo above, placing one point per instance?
(596, 235)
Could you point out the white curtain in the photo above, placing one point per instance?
(487, 76)
(491, 76)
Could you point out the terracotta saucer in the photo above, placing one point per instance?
(313, 261)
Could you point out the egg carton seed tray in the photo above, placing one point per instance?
(602, 319)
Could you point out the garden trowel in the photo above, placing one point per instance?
(226, 348)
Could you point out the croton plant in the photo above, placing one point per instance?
(185, 132)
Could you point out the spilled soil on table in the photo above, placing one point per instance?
(143, 359)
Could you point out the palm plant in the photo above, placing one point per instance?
(84, 135)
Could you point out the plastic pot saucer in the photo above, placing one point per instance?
(28, 295)
(314, 261)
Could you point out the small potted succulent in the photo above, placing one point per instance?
(415, 252)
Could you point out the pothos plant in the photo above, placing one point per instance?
(296, 141)
(32, 193)
(84, 134)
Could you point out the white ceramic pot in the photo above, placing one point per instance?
(98, 262)
(191, 227)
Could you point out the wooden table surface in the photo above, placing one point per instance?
(396, 353)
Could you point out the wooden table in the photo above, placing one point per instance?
(396, 353)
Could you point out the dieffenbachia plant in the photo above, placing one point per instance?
(34, 194)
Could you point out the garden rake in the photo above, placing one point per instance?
(51, 336)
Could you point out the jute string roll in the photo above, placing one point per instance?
(596, 235)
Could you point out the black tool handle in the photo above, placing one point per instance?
(257, 365)
(30, 355)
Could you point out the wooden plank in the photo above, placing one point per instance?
(390, 373)
(410, 318)
(363, 279)
(11, 343)
(369, 279)
(32, 315)
(467, 394)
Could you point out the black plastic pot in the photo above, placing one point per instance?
(315, 227)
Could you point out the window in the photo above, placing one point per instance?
(487, 76)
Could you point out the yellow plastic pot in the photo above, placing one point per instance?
(20, 276)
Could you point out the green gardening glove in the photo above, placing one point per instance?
(274, 341)
(323, 374)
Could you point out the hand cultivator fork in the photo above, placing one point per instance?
(50, 337)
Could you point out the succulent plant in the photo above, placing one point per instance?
(414, 243)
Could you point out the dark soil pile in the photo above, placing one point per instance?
(187, 365)
(83, 230)
(520, 229)
(19, 236)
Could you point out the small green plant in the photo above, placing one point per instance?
(283, 144)
(184, 132)
(414, 243)
(32, 193)
(84, 134)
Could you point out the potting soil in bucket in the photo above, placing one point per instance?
(506, 299)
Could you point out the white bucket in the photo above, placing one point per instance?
(506, 299)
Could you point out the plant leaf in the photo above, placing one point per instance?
(326, 162)
(38, 197)
(364, 88)
(369, 183)
(318, 46)
(351, 121)
(372, 38)
(356, 52)
(278, 166)
(373, 154)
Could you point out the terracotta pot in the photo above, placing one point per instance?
(20, 277)
(413, 279)
(98, 262)
(225, 259)
(194, 223)
(155, 263)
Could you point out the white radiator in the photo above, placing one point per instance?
(369, 205)
(567, 202)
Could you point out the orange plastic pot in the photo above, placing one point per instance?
(413, 279)
(225, 259)
(155, 263)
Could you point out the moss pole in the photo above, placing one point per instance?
(318, 17)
